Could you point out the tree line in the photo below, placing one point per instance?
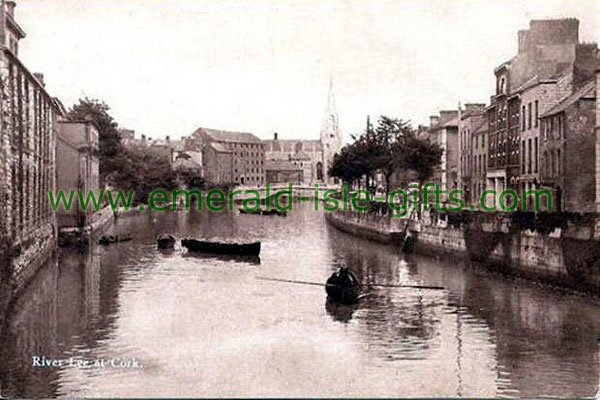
(391, 147)
(128, 168)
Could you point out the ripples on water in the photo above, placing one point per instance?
(204, 326)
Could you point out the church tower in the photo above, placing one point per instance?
(331, 138)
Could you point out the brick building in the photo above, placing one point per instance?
(230, 157)
(27, 153)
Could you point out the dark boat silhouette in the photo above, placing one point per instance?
(166, 241)
(343, 287)
(264, 212)
(237, 249)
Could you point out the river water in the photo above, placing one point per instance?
(175, 325)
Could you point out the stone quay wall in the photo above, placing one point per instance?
(560, 249)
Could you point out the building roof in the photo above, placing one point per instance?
(220, 148)
(227, 136)
(289, 145)
(447, 123)
(588, 91)
(281, 165)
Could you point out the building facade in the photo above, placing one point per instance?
(444, 132)
(27, 152)
(568, 148)
(234, 158)
(469, 155)
(77, 168)
(550, 64)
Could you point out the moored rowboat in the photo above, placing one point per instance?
(242, 249)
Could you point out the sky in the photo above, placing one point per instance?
(262, 66)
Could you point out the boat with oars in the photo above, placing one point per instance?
(343, 287)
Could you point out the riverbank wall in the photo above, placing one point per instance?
(563, 250)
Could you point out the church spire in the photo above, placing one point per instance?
(331, 138)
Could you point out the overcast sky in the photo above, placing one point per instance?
(167, 67)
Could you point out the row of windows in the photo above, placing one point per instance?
(251, 170)
(553, 127)
(476, 163)
(31, 141)
(529, 152)
(527, 116)
(552, 163)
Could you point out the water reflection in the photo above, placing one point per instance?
(204, 326)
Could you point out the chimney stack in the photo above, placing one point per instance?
(168, 138)
(40, 78)
(433, 120)
(143, 138)
(275, 136)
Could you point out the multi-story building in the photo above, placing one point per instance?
(469, 121)
(480, 156)
(550, 63)
(27, 147)
(230, 157)
(444, 131)
(568, 145)
(77, 168)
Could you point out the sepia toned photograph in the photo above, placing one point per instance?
(299, 199)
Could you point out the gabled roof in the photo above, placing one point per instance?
(220, 148)
(588, 91)
(227, 136)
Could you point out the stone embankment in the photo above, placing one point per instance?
(562, 249)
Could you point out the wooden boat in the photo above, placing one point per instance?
(238, 249)
(274, 212)
(264, 212)
(343, 287)
(166, 241)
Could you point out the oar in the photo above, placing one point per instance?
(264, 278)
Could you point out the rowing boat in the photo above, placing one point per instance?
(248, 249)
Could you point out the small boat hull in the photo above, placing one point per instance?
(237, 249)
(166, 242)
(343, 290)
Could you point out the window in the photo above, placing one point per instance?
(529, 152)
(523, 118)
(523, 156)
(535, 149)
(529, 116)
(558, 160)
(559, 122)
(553, 163)
(537, 113)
